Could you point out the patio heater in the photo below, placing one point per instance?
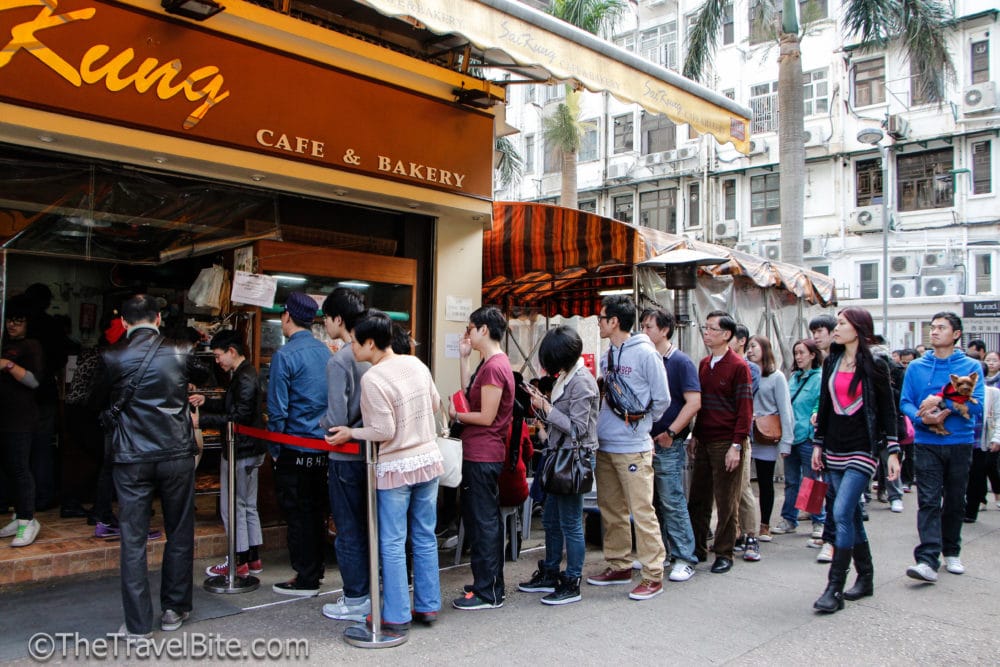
(680, 274)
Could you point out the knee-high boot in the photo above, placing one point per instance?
(864, 586)
(833, 597)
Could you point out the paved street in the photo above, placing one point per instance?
(758, 613)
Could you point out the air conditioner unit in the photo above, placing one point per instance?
(935, 260)
(653, 158)
(898, 127)
(812, 247)
(902, 288)
(745, 247)
(812, 136)
(771, 251)
(901, 264)
(728, 229)
(944, 284)
(980, 98)
(686, 153)
(865, 219)
(618, 171)
(757, 147)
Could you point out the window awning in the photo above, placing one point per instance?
(520, 38)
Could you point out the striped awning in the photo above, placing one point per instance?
(558, 260)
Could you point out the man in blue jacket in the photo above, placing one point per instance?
(942, 461)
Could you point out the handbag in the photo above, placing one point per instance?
(812, 492)
(451, 455)
(767, 429)
(567, 470)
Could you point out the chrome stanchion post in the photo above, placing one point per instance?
(230, 583)
(360, 635)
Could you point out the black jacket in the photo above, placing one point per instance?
(155, 425)
(241, 405)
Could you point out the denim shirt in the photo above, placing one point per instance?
(296, 389)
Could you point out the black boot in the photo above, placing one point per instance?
(833, 597)
(864, 586)
(542, 581)
(567, 591)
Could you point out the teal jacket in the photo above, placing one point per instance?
(804, 388)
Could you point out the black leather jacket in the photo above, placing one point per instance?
(155, 425)
(241, 405)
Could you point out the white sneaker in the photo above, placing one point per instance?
(825, 554)
(954, 565)
(817, 530)
(345, 610)
(896, 506)
(922, 572)
(26, 533)
(783, 527)
(681, 571)
(10, 529)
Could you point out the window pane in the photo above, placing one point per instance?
(924, 180)
(982, 168)
(869, 82)
(980, 61)
(623, 208)
(765, 200)
(622, 137)
(729, 193)
(694, 205)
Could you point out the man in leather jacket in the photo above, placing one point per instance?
(153, 448)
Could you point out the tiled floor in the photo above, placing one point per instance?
(68, 547)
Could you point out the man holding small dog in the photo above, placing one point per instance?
(943, 421)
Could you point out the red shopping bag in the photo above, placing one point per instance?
(812, 492)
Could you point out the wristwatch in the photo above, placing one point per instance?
(738, 447)
(672, 434)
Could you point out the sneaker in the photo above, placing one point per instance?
(355, 609)
(804, 516)
(681, 571)
(566, 592)
(471, 602)
(389, 629)
(255, 566)
(222, 570)
(817, 530)
(784, 527)
(764, 534)
(922, 572)
(815, 543)
(907, 489)
(740, 545)
(896, 506)
(107, 531)
(542, 581)
(132, 636)
(954, 565)
(292, 587)
(10, 530)
(172, 620)
(825, 554)
(882, 497)
(646, 589)
(450, 542)
(611, 577)
(752, 550)
(424, 617)
(26, 533)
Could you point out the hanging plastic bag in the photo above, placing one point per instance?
(206, 290)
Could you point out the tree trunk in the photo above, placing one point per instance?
(567, 195)
(791, 150)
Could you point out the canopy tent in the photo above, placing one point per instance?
(514, 36)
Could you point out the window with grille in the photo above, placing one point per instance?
(868, 182)
(658, 209)
(622, 130)
(623, 207)
(868, 278)
(925, 180)
(729, 198)
(626, 42)
(529, 153)
(982, 167)
(659, 44)
(869, 82)
(588, 142)
(815, 92)
(765, 201)
(984, 273)
(979, 58)
(694, 205)
(658, 133)
(764, 105)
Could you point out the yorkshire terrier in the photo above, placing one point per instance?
(954, 396)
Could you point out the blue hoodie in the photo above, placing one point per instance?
(928, 375)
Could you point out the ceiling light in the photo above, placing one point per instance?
(412, 204)
(46, 138)
(613, 292)
(159, 159)
(870, 135)
(199, 10)
(353, 284)
(257, 178)
(290, 279)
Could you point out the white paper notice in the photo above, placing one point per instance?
(457, 309)
(451, 345)
(254, 289)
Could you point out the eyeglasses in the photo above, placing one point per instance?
(604, 317)
(712, 329)
(16, 320)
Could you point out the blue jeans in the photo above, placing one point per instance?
(418, 504)
(844, 496)
(942, 475)
(671, 503)
(348, 487)
(798, 464)
(562, 518)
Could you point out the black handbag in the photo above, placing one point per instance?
(567, 469)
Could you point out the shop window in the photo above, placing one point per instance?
(694, 205)
(815, 92)
(659, 44)
(984, 273)
(729, 198)
(979, 58)
(658, 133)
(868, 279)
(587, 205)
(764, 105)
(868, 182)
(529, 153)
(553, 158)
(869, 82)
(924, 180)
(920, 93)
(982, 167)
(623, 207)
(658, 210)
(765, 201)
(588, 142)
(622, 131)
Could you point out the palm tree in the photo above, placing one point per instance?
(563, 128)
(509, 163)
(918, 27)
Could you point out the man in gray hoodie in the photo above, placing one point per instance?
(635, 395)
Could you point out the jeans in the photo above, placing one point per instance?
(483, 527)
(893, 489)
(798, 464)
(135, 484)
(562, 518)
(416, 504)
(348, 483)
(843, 495)
(625, 487)
(248, 530)
(942, 476)
(15, 448)
(300, 484)
(671, 503)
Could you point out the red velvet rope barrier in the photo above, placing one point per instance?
(297, 441)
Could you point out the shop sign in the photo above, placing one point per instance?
(128, 67)
(976, 309)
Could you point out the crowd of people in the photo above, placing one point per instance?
(848, 410)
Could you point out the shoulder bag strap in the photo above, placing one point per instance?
(136, 377)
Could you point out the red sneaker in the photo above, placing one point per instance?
(646, 589)
(611, 577)
(222, 570)
(256, 567)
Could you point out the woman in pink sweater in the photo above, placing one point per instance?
(398, 403)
